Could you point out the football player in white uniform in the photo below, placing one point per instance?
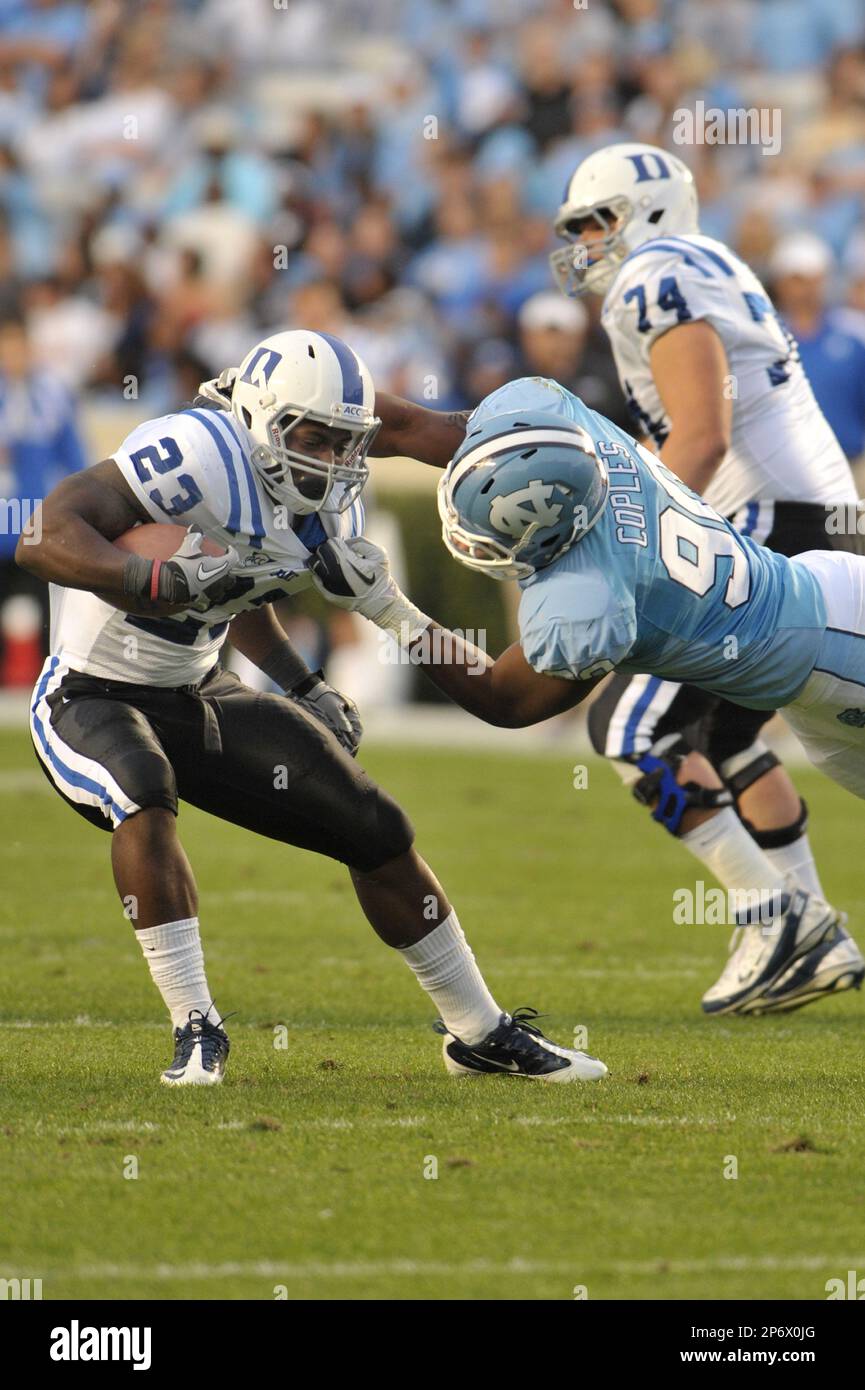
(133, 713)
(715, 384)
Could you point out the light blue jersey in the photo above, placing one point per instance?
(662, 584)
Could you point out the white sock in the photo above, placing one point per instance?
(797, 860)
(173, 953)
(446, 969)
(728, 851)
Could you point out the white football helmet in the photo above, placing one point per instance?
(634, 193)
(303, 376)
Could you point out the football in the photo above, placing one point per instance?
(155, 541)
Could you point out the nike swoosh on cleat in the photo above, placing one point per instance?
(489, 1061)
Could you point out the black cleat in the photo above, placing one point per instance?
(200, 1053)
(517, 1048)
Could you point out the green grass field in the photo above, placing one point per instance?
(306, 1169)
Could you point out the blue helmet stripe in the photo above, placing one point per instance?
(352, 382)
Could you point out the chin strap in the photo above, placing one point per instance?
(658, 784)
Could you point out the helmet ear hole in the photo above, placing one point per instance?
(655, 217)
(247, 417)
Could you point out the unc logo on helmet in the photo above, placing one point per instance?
(513, 512)
(519, 492)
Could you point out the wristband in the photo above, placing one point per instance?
(403, 620)
(287, 669)
(137, 577)
(304, 686)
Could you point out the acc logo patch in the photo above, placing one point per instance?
(514, 512)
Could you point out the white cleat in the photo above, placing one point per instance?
(833, 966)
(517, 1048)
(200, 1053)
(767, 950)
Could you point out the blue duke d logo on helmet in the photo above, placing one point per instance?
(261, 366)
(513, 512)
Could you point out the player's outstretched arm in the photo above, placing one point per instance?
(506, 692)
(355, 575)
(432, 436)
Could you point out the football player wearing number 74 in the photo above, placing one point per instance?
(624, 568)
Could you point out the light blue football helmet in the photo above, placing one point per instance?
(519, 492)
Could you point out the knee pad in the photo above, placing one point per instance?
(659, 768)
(785, 835)
(386, 833)
(743, 769)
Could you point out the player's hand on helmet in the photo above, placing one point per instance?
(196, 580)
(335, 710)
(354, 574)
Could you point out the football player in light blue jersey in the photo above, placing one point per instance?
(624, 568)
(713, 377)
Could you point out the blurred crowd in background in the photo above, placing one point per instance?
(180, 177)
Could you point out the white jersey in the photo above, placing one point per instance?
(782, 448)
(193, 467)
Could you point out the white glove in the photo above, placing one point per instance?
(196, 579)
(333, 709)
(355, 574)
